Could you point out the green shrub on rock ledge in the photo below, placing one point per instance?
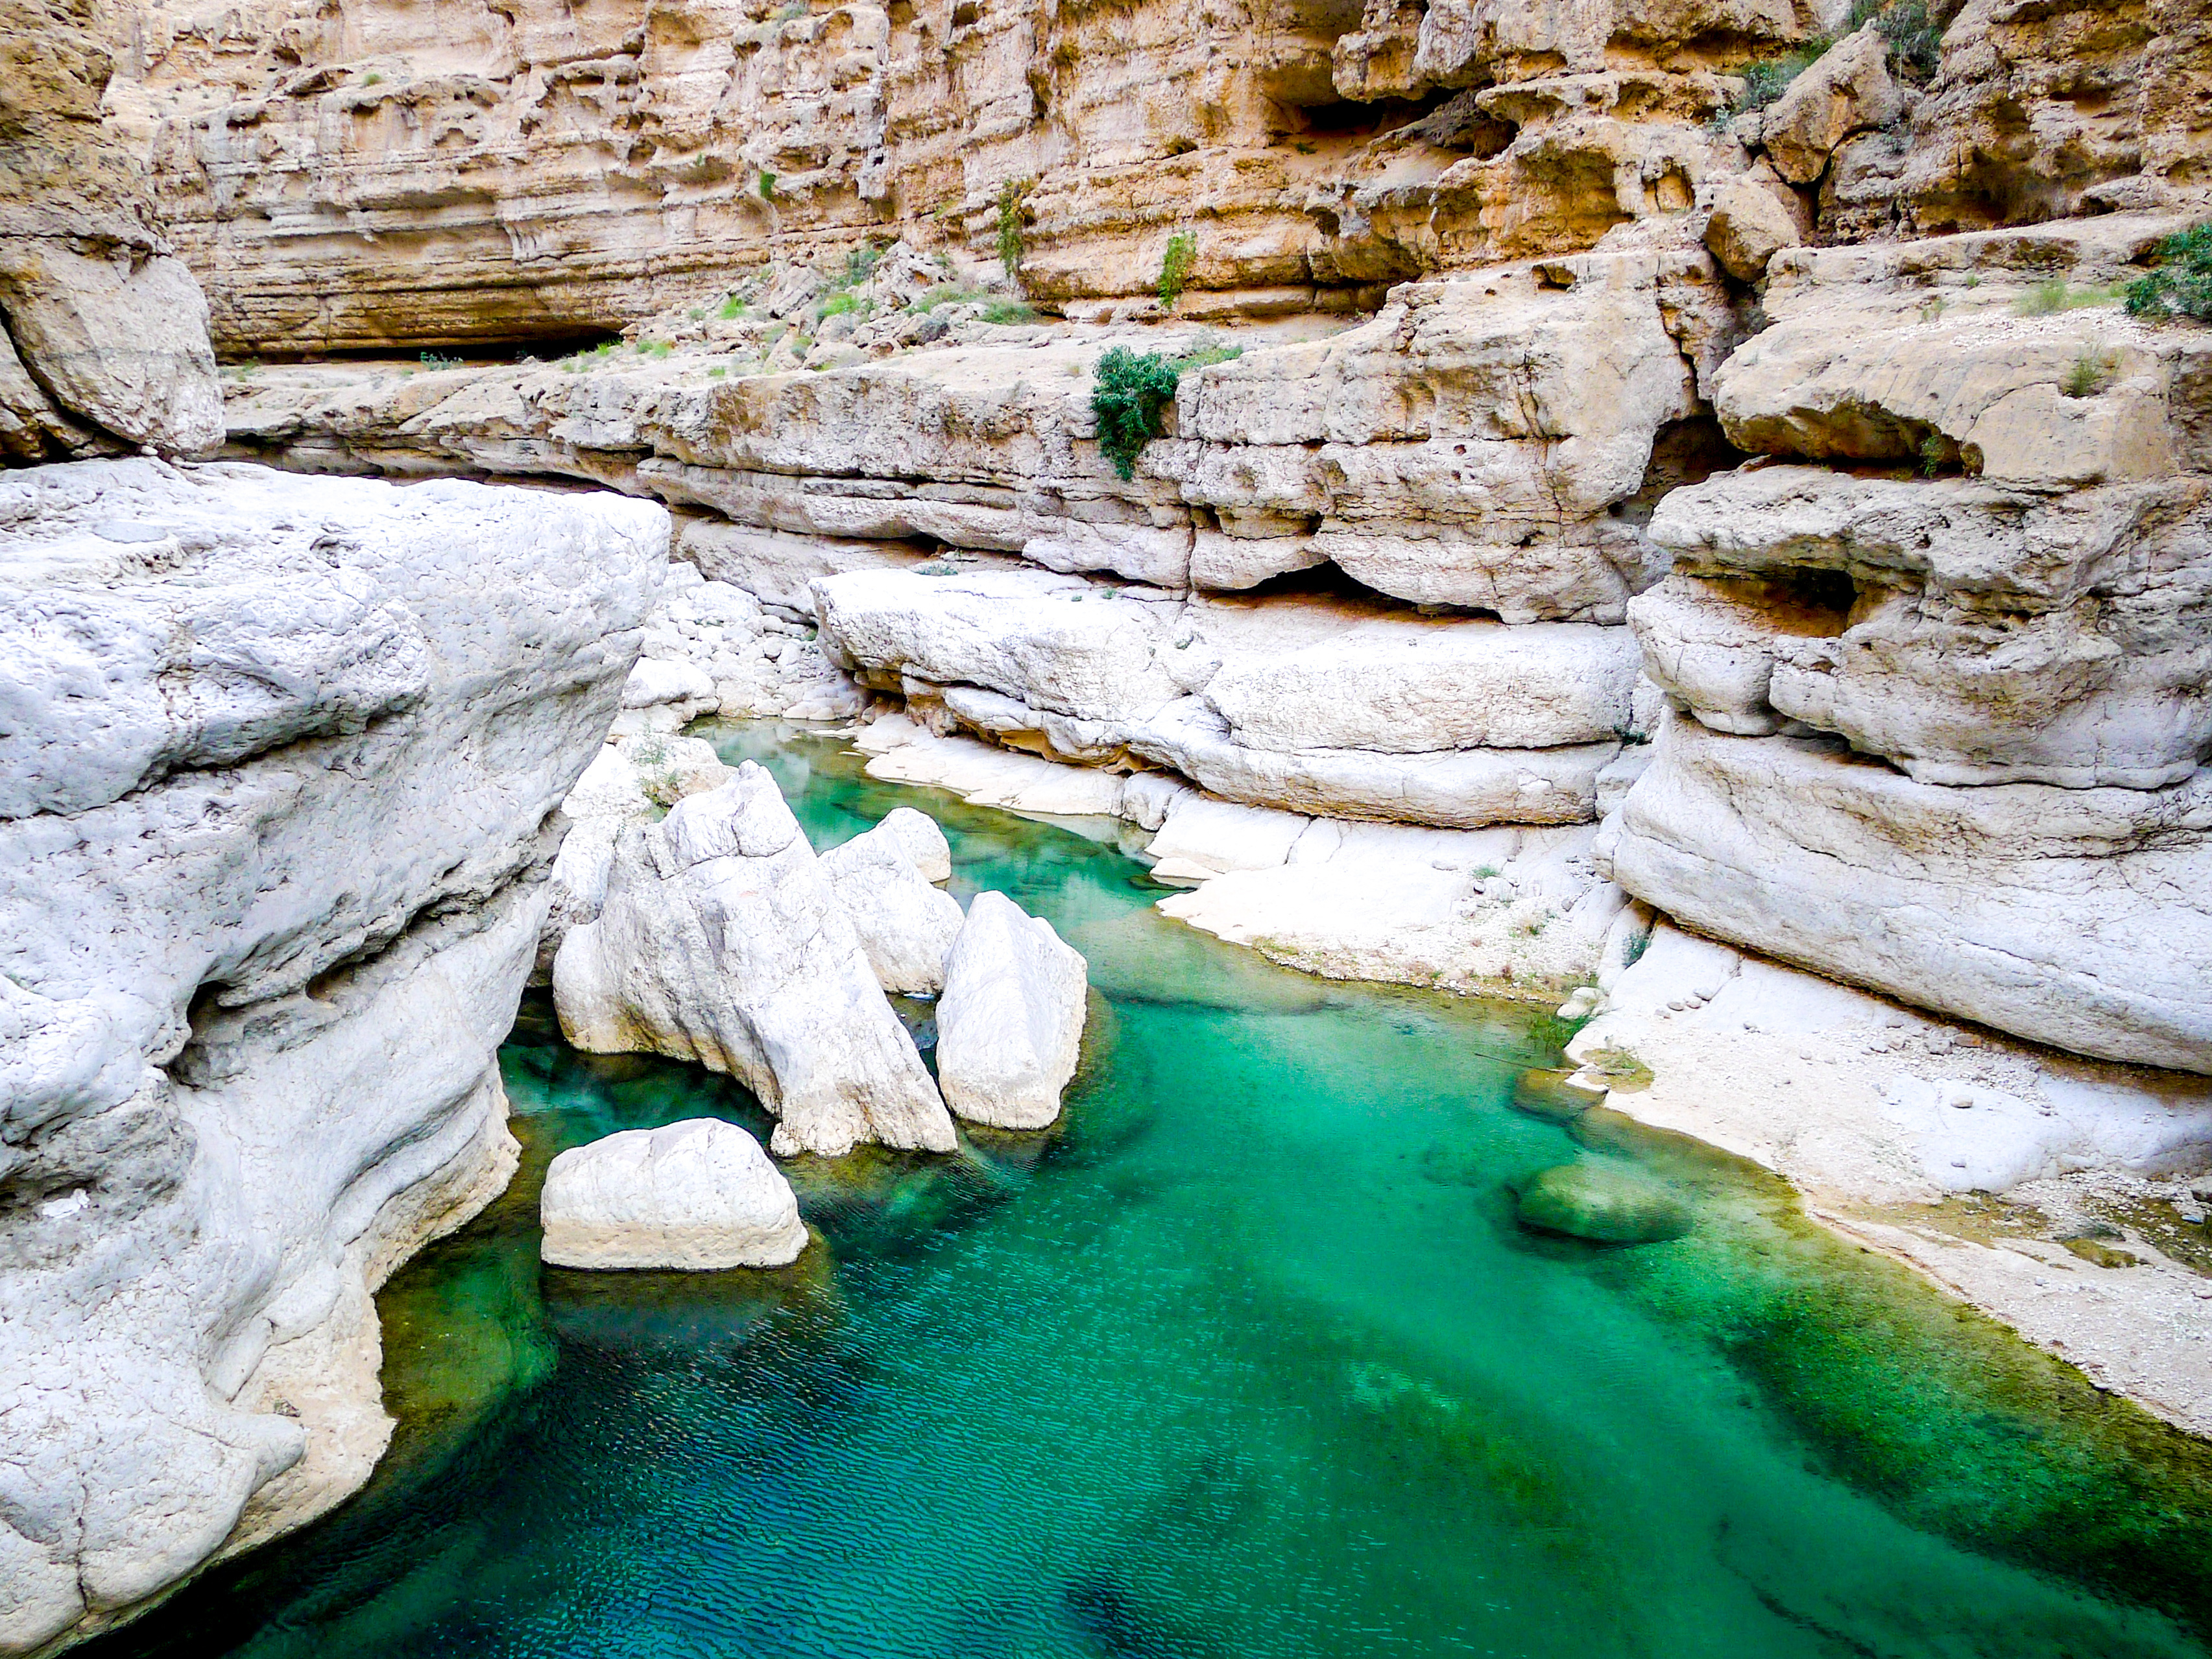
(2182, 284)
(1131, 390)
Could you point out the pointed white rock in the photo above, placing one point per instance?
(884, 879)
(1010, 1025)
(719, 940)
(696, 1195)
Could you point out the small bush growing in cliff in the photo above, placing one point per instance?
(1011, 211)
(655, 349)
(732, 309)
(839, 304)
(767, 186)
(1130, 393)
(861, 264)
(2090, 372)
(1008, 311)
(1174, 266)
(2182, 284)
(1765, 82)
(1934, 452)
(946, 294)
(431, 360)
(718, 374)
(372, 79)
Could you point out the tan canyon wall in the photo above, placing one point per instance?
(363, 174)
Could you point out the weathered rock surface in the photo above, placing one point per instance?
(1335, 707)
(719, 940)
(1480, 443)
(2078, 918)
(105, 348)
(885, 878)
(1010, 1023)
(712, 648)
(1969, 632)
(279, 778)
(694, 1196)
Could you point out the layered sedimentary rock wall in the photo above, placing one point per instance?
(280, 774)
(367, 177)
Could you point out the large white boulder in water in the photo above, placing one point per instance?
(696, 1195)
(1010, 1025)
(884, 880)
(278, 771)
(719, 940)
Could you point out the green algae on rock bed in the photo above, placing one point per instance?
(1247, 1355)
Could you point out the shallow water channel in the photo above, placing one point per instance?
(1247, 1356)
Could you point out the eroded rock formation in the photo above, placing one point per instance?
(279, 778)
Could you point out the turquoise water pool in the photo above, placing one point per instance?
(1247, 1357)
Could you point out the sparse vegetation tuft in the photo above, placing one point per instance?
(1011, 214)
(2090, 372)
(732, 309)
(2047, 299)
(433, 360)
(1130, 392)
(2181, 286)
(1009, 311)
(946, 294)
(1765, 82)
(767, 186)
(1175, 266)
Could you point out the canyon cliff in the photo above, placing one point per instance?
(1658, 510)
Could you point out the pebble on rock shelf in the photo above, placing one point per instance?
(696, 1196)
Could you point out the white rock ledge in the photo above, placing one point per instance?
(695, 1196)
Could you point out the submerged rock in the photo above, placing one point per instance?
(1604, 1205)
(1010, 1026)
(884, 880)
(719, 940)
(696, 1196)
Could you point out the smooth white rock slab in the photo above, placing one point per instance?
(1010, 1023)
(695, 1196)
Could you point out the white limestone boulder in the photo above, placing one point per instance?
(720, 940)
(884, 879)
(1010, 1023)
(695, 1196)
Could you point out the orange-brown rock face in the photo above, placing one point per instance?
(369, 174)
(2039, 113)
